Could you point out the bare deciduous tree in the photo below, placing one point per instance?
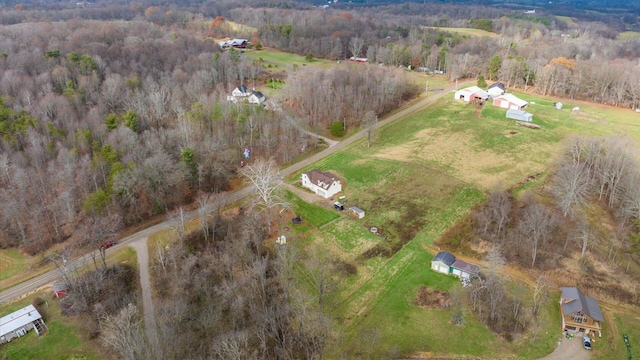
(123, 333)
(265, 177)
(370, 125)
(540, 293)
(571, 187)
(178, 221)
(355, 46)
(535, 228)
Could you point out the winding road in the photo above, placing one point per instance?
(139, 240)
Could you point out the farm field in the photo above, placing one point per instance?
(628, 35)
(421, 175)
(466, 31)
(569, 21)
(275, 61)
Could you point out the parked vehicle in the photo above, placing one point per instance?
(587, 342)
(107, 245)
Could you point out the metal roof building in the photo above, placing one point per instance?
(18, 323)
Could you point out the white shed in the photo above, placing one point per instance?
(509, 101)
(357, 212)
(18, 323)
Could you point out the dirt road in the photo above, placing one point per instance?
(150, 326)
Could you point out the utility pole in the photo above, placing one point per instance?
(426, 89)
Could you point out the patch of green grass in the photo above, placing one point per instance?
(311, 213)
(280, 60)
(356, 170)
(494, 112)
(612, 346)
(350, 235)
(12, 262)
(567, 20)
(466, 31)
(64, 340)
(628, 35)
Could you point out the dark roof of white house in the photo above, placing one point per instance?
(444, 257)
(258, 94)
(322, 179)
(242, 88)
(469, 268)
(580, 302)
(498, 85)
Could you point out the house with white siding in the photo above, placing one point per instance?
(324, 184)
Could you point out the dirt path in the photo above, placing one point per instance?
(150, 326)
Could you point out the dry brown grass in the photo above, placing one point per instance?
(484, 168)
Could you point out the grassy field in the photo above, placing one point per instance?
(421, 175)
(628, 35)
(12, 262)
(275, 61)
(618, 321)
(314, 214)
(567, 20)
(466, 31)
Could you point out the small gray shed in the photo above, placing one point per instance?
(519, 115)
(357, 212)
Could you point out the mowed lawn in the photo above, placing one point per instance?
(428, 170)
(274, 60)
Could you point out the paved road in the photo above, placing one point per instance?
(37, 282)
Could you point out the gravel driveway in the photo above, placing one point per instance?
(569, 349)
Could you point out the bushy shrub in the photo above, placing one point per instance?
(337, 129)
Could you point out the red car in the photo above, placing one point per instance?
(107, 245)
